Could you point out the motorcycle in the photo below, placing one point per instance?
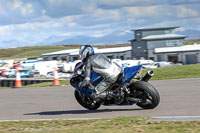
(125, 91)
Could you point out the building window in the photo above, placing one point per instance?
(173, 58)
(63, 58)
(161, 57)
(151, 58)
(164, 43)
(174, 43)
(121, 57)
(75, 58)
(54, 58)
(156, 32)
(156, 44)
(111, 57)
(138, 34)
(45, 58)
(169, 31)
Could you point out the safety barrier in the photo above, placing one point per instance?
(10, 82)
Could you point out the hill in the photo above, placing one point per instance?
(190, 42)
(36, 51)
(115, 37)
(33, 52)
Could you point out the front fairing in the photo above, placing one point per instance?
(129, 73)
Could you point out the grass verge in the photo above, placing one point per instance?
(114, 125)
(45, 84)
(162, 73)
(35, 51)
(175, 72)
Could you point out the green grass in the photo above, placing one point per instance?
(36, 51)
(176, 72)
(190, 42)
(4, 87)
(162, 73)
(114, 125)
(31, 52)
(45, 84)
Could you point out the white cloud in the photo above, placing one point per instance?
(59, 1)
(107, 14)
(124, 3)
(27, 9)
(148, 11)
(184, 12)
(17, 4)
(44, 12)
(24, 9)
(33, 21)
(192, 23)
(5, 32)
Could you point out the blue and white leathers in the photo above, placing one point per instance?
(127, 75)
(102, 65)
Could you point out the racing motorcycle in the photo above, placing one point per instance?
(125, 91)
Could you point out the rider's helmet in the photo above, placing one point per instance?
(85, 51)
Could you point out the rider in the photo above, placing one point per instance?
(100, 64)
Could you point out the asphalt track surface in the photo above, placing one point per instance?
(178, 98)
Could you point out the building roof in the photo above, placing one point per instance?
(61, 52)
(155, 28)
(163, 36)
(195, 47)
(108, 50)
(114, 50)
(77, 52)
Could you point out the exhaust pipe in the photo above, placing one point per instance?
(147, 76)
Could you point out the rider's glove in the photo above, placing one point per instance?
(84, 84)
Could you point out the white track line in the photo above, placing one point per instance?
(49, 119)
(177, 117)
(159, 117)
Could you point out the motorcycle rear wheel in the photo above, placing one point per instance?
(147, 93)
(86, 102)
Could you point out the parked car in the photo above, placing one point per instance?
(150, 66)
(25, 74)
(12, 73)
(2, 73)
(69, 66)
(165, 63)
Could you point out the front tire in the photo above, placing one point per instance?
(86, 102)
(147, 93)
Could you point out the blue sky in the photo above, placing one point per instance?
(31, 22)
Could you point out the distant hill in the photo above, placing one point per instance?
(191, 34)
(35, 51)
(117, 37)
(189, 42)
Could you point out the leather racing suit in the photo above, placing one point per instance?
(102, 65)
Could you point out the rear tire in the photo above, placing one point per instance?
(148, 93)
(86, 102)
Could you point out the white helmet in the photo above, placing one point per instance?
(85, 51)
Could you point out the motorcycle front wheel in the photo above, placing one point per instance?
(147, 93)
(86, 102)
